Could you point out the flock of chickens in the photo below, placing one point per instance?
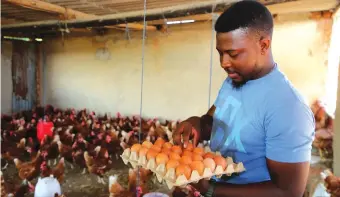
(79, 138)
(83, 139)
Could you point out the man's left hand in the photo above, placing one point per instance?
(202, 186)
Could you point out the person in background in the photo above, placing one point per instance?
(258, 118)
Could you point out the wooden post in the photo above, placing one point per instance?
(336, 137)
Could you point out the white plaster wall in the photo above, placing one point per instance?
(6, 77)
(176, 74)
(336, 139)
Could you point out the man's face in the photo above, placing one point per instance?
(239, 52)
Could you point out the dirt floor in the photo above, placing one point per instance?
(79, 185)
(86, 185)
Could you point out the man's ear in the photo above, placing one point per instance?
(265, 44)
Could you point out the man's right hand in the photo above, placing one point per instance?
(189, 129)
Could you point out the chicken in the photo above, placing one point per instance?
(50, 150)
(112, 144)
(9, 189)
(116, 190)
(81, 129)
(156, 130)
(65, 152)
(29, 170)
(78, 159)
(10, 150)
(65, 136)
(57, 171)
(32, 147)
(131, 138)
(332, 183)
(98, 166)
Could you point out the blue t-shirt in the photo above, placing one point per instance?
(265, 118)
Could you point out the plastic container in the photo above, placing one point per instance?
(47, 187)
(155, 194)
(44, 128)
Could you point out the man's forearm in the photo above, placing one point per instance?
(264, 189)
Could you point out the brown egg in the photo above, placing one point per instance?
(197, 165)
(209, 163)
(198, 151)
(172, 164)
(156, 148)
(209, 155)
(189, 147)
(161, 158)
(185, 160)
(147, 144)
(143, 151)
(187, 153)
(197, 157)
(219, 160)
(136, 147)
(174, 156)
(183, 170)
(176, 149)
(159, 142)
(167, 145)
(151, 154)
(166, 151)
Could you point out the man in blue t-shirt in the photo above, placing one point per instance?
(258, 118)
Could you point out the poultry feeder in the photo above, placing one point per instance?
(44, 128)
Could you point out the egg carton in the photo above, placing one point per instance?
(169, 176)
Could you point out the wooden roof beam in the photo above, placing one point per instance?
(279, 8)
(5, 20)
(66, 13)
(51, 8)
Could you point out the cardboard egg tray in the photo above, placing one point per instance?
(169, 176)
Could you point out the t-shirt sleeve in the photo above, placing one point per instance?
(289, 133)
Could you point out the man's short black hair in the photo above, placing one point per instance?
(245, 14)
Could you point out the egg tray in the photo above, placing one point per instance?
(169, 176)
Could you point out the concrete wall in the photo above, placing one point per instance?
(336, 56)
(176, 75)
(6, 77)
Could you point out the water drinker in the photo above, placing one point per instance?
(155, 194)
(47, 187)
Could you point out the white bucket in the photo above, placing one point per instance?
(47, 187)
(155, 194)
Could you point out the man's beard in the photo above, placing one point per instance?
(238, 85)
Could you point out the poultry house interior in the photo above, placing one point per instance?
(81, 152)
(74, 72)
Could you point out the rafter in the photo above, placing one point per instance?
(5, 20)
(50, 8)
(197, 12)
(66, 13)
